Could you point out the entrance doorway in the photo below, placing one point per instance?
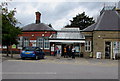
(107, 50)
(64, 48)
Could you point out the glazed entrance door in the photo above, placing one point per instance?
(107, 50)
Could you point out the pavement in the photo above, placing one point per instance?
(62, 60)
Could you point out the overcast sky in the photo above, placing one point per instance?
(56, 13)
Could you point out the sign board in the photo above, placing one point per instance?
(13, 46)
(32, 40)
(98, 55)
(52, 48)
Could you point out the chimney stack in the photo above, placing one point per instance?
(38, 15)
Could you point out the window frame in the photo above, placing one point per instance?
(26, 42)
(88, 46)
(20, 41)
(46, 43)
(40, 43)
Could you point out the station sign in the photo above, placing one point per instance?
(13, 46)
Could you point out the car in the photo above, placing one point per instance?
(32, 52)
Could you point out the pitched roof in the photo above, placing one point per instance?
(90, 28)
(37, 27)
(109, 20)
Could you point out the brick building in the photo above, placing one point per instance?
(36, 34)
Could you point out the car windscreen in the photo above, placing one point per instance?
(28, 49)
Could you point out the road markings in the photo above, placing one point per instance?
(29, 73)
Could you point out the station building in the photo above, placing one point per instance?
(100, 40)
(103, 36)
(36, 34)
(67, 37)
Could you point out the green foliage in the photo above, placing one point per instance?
(9, 30)
(0, 24)
(81, 20)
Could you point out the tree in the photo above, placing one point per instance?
(9, 30)
(0, 25)
(81, 20)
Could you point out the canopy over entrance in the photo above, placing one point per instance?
(68, 35)
(68, 41)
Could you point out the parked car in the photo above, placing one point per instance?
(32, 52)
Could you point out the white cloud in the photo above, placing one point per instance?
(59, 23)
(56, 13)
(64, 21)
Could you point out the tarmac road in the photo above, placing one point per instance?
(64, 68)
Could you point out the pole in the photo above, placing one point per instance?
(11, 51)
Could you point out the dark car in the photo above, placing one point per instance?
(32, 52)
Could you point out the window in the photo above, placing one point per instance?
(43, 43)
(46, 44)
(116, 47)
(26, 42)
(20, 41)
(40, 43)
(88, 46)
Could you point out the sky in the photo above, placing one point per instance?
(56, 13)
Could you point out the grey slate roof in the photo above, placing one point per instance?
(37, 27)
(109, 20)
(90, 28)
